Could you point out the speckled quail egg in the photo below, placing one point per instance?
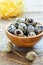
(30, 28)
(31, 56)
(30, 20)
(32, 34)
(36, 32)
(21, 20)
(11, 28)
(38, 24)
(7, 47)
(18, 20)
(23, 27)
(25, 19)
(26, 22)
(16, 24)
(38, 29)
(18, 32)
(34, 24)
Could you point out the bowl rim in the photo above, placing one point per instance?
(41, 34)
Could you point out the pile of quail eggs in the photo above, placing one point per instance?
(25, 27)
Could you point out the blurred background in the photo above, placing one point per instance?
(33, 5)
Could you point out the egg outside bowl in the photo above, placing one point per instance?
(23, 41)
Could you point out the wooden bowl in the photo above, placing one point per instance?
(23, 41)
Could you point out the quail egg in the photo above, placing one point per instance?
(25, 19)
(26, 22)
(16, 24)
(32, 34)
(31, 56)
(34, 24)
(36, 32)
(38, 29)
(30, 28)
(38, 24)
(30, 20)
(18, 32)
(11, 28)
(23, 27)
(21, 20)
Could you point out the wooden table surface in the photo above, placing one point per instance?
(12, 58)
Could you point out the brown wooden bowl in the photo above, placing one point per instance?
(23, 41)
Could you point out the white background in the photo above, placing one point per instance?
(33, 5)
